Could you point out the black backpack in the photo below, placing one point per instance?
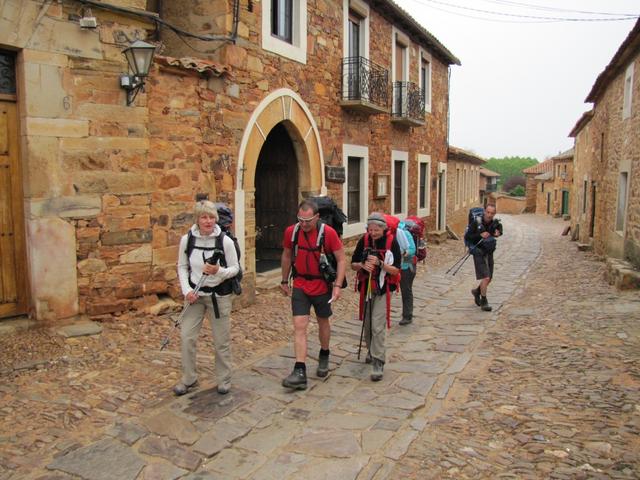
(225, 219)
(330, 213)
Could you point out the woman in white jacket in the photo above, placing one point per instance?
(214, 297)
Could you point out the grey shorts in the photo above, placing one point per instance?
(484, 265)
(301, 303)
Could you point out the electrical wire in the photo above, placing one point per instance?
(531, 18)
(555, 9)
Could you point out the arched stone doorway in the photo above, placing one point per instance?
(285, 109)
(276, 194)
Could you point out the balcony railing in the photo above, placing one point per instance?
(408, 104)
(365, 85)
(491, 187)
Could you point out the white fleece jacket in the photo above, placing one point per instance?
(197, 260)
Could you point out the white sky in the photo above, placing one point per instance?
(521, 86)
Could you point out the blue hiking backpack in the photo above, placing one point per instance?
(475, 216)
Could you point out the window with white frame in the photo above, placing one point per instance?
(355, 190)
(424, 76)
(284, 28)
(628, 91)
(621, 209)
(424, 185)
(399, 182)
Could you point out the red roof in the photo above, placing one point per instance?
(543, 167)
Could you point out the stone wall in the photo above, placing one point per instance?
(531, 193)
(468, 196)
(620, 152)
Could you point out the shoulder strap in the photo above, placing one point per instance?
(191, 242)
(389, 240)
(220, 247)
(320, 239)
(294, 241)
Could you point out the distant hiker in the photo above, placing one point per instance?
(481, 234)
(377, 259)
(307, 248)
(206, 251)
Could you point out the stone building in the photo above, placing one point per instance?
(463, 187)
(607, 142)
(284, 100)
(562, 175)
(537, 194)
(488, 184)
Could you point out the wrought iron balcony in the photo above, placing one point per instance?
(365, 85)
(491, 187)
(408, 104)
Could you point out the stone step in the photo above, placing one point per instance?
(622, 274)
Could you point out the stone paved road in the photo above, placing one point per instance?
(545, 386)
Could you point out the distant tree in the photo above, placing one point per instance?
(513, 182)
(517, 191)
(509, 167)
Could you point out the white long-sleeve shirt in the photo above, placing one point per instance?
(197, 260)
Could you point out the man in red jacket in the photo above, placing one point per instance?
(303, 245)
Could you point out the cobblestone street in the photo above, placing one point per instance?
(545, 386)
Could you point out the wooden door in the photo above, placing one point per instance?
(276, 196)
(565, 202)
(13, 271)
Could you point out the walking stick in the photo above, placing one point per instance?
(178, 321)
(364, 313)
(462, 259)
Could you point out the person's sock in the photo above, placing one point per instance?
(324, 353)
(301, 365)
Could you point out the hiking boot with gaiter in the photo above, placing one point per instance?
(484, 305)
(297, 380)
(377, 370)
(323, 364)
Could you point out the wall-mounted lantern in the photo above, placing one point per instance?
(139, 56)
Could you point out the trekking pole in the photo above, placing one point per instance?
(178, 321)
(467, 256)
(364, 314)
(461, 259)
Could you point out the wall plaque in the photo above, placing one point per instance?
(334, 174)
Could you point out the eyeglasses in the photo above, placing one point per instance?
(307, 220)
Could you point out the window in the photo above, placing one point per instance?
(425, 79)
(281, 19)
(284, 28)
(424, 185)
(355, 191)
(622, 201)
(399, 71)
(628, 91)
(457, 196)
(354, 185)
(399, 182)
(542, 187)
(584, 197)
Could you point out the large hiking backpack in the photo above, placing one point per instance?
(225, 219)
(417, 231)
(475, 216)
(330, 213)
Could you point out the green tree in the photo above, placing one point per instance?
(518, 191)
(509, 167)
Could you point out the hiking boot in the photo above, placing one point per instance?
(476, 295)
(484, 305)
(180, 389)
(376, 370)
(297, 380)
(323, 365)
(405, 321)
(224, 388)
